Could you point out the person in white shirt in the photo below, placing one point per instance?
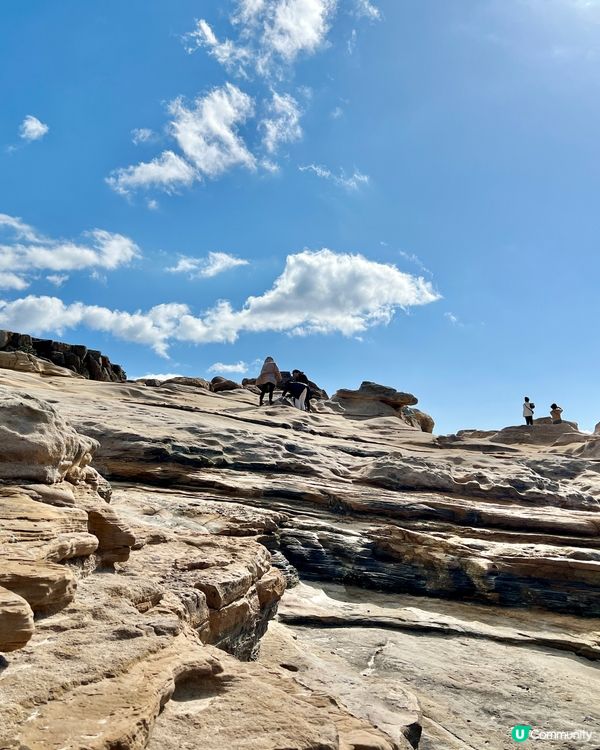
(528, 408)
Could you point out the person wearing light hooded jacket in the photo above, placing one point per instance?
(268, 379)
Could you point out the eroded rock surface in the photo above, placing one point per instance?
(215, 504)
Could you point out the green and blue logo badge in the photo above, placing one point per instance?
(520, 732)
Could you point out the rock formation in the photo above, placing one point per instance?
(433, 570)
(89, 363)
(373, 400)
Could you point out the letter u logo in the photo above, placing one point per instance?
(520, 732)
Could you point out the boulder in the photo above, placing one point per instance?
(219, 384)
(38, 445)
(372, 400)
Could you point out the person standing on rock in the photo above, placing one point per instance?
(268, 379)
(556, 414)
(528, 408)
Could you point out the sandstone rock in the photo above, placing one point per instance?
(23, 362)
(16, 621)
(37, 443)
(372, 400)
(219, 384)
(192, 382)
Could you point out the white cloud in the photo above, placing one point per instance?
(283, 124)
(166, 172)
(317, 292)
(337, 113)
(366, 9)
(271, 33)
(350, 182)
(32, 129)
(220, 367)
(295, 26)
(58, 279)
(23, 251)
(9, 280)
(141, 135)
(207, 133)
(214, 264)
(232, 57)
(158, 376)
(152, 204)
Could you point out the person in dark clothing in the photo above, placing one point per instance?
(299, 376)
(298, 391)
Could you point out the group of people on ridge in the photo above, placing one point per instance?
(297, 386)
(528, 409)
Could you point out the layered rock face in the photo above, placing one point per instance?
(486, 552)
(89, 363)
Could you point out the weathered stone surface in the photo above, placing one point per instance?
(23, 362)
(192, 382)
(372, 400)
(16, 621)
(493, 540)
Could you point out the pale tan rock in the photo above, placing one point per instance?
(37, 443)
(43, 585)
(23, 362)
(16, 621)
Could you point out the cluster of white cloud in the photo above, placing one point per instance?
(32, 129)
(349, 182)
(214, 264)
(207, 135)
(317, 292)
(24, 252)
(270, 35)
(220, 367)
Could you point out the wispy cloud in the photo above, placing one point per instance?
(367, 9)
(283, 123)
(348, 181)
(167, 172)
(269, 34)
(23, 252)
(221, 367)
(58, 279)
(32, 129)
(207, 135)
(142, 135)
(214, 264)
(317, 292)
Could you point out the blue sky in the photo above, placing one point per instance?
(389, 190)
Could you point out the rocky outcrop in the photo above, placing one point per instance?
(88, 363)
(372, 400)
(219, 384)
(477, 548)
